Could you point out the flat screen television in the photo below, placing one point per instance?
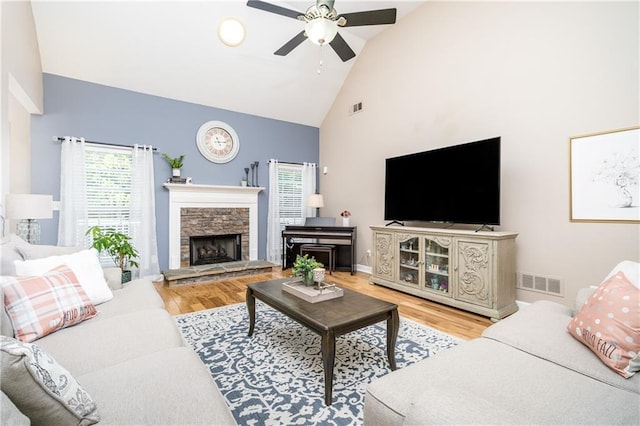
(456, 184)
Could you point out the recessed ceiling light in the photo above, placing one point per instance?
(231, 32)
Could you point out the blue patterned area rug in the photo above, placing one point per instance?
(276, 377)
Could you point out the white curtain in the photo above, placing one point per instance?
(73, 221)
(142, 213)
(274, 236)
(308, 188)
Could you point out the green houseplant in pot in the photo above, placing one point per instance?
(118, 246)
(304, 266)
(175, 163)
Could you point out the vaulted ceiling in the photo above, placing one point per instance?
(171, 49)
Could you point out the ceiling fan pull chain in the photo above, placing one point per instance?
(320, 65)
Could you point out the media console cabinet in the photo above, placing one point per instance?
(469, 270)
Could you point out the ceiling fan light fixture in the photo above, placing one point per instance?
(231, 32)
(321, 30)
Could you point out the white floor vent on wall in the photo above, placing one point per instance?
(540, 283)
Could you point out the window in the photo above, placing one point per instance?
(291, 192)
(108, 173)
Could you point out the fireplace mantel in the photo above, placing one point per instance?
(210, 196)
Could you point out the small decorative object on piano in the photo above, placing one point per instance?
(345, 217)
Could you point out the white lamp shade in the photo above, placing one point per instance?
(321, 30)
(315, 201)
(29, 206)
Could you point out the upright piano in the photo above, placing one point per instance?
(344, 237)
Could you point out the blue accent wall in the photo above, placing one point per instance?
(106, 114)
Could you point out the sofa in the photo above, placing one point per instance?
(128, 360)
(528, 368)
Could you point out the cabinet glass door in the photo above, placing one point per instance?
(409, 257)
(436, 265)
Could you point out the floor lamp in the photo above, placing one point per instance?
(27, 208)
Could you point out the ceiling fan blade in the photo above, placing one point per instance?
(291, 44)
(268, 7)
(342, 48)
(370, 17)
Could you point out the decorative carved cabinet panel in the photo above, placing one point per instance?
(383, 253)
(474, 271)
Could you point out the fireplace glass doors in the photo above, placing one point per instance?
(208, 249)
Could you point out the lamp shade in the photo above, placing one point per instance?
(29, 206)
(315, 201)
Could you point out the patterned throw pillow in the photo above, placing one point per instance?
(41, 388)
(40, 305)
(609, 324)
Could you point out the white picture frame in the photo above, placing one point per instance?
(604, 171)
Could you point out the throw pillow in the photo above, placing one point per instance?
(609, 324)
(41, 388)
(40, 305)
(85, 264)
(8, 254)
(38, 251)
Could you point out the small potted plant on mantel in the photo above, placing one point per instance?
(118, 246)
(304, 266)
(175, 163)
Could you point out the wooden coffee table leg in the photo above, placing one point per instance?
(251, 307)
(328, 358)
(393, 324)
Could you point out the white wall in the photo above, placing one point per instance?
(534, 74)
(20, 94)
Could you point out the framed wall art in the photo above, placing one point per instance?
(605, 176)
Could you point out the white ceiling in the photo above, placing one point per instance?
(170, 49)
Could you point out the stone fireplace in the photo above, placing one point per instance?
(201, 210)
(208, 226)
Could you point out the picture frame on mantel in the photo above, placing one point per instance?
(604, 172)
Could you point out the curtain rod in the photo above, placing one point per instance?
(60, 139)
(289, 162)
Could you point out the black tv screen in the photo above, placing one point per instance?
(455, 184)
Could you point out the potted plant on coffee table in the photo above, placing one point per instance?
(304, 266)
(118, 246)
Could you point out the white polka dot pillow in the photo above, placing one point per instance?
(609, 324)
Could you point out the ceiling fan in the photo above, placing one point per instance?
(322, 22)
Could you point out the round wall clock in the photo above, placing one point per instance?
(217, 141)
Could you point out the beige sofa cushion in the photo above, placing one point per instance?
(10, 414)
(93, 345)
(151, 390)
(541, 330)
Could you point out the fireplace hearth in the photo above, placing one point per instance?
(211, 249)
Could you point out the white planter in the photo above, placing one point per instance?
(176, 172)
(345, 221)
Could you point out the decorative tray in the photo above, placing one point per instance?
(312, 294)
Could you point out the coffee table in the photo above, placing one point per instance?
(330, 319)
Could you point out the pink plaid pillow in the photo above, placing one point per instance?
(40, 305)
(609, 324)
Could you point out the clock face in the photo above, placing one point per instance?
(217, 142)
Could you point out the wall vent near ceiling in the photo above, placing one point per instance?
(540, 283)
(355, 108)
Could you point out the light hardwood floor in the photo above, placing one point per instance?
(191, 298)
